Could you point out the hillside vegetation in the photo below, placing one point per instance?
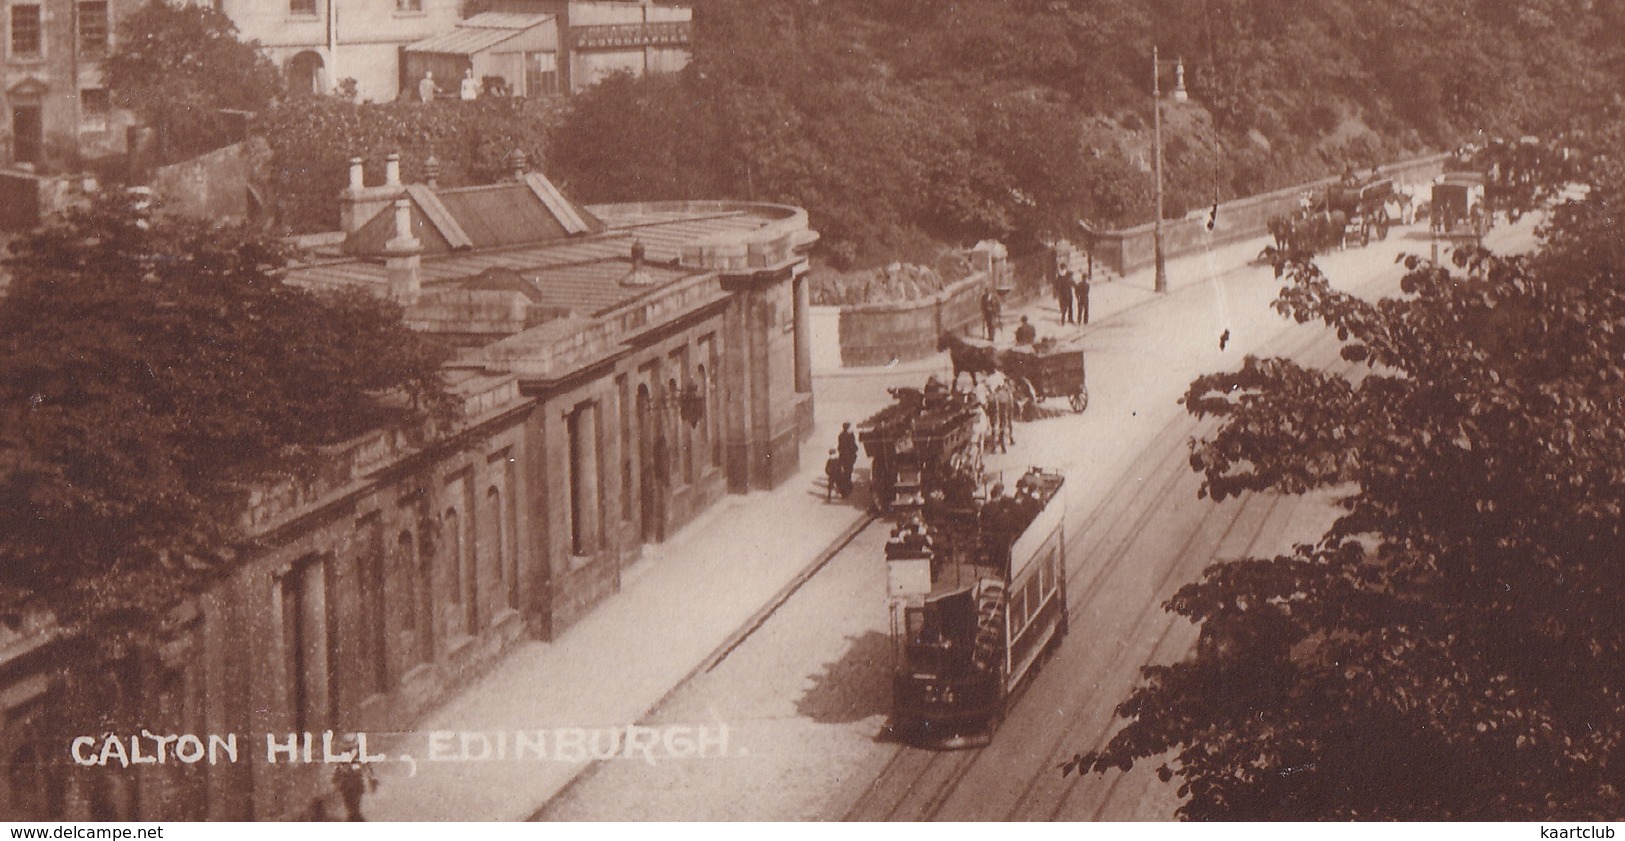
(904, 123)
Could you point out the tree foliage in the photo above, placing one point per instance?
(1450, 648)
(151, 370)
(179, 66)
(313, 138)
(889, 119)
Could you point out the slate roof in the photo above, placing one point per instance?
(486, 216)
(581, 273)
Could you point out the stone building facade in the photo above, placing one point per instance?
(55, 107)
(665, 344)
(368, 587)
(320, 43)
(623, 367)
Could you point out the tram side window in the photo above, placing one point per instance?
(914, 617)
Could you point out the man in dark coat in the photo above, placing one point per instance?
(990, 313)
(1083, 299)
(1026, 333)
(846, 446)
(1063, 295)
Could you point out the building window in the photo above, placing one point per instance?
(581, 428)
(305, 644)
(374, 610)
(27, 41)
(713, 409)
(408, 5)
(94, 109)
(541, 74)
(302, 7)
(623, 387)
(93, 29)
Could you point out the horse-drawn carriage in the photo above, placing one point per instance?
(1351, 212)
(1036, 372)
(1459, 208)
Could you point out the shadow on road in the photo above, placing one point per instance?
(853, 688)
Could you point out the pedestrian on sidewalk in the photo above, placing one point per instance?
(1063, 295)
(990, 313)
(832, 472)
(846, 446)
(1082, 298)
(353, 779)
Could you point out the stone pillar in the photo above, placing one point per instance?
(803, 331)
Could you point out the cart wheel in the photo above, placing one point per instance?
(1080, 401)
(1026, 399)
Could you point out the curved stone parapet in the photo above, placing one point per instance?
(876, 334)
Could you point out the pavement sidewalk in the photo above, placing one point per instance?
(677, 608)
(685, 604)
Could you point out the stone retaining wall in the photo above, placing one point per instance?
(875, 334)
(1134, 248)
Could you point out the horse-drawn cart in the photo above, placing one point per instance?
(1045, 370)
(1036, 372)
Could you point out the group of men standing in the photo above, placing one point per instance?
(1072, 293)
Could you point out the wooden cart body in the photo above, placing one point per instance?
(1044, 371)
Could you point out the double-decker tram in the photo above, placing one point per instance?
(977, 596)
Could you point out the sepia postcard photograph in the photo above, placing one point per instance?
(812, 411)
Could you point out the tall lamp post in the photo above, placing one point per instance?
(1156, 141)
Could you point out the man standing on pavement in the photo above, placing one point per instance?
(990, 313)
(1083, 299)
(1063, 295)
(846, 446)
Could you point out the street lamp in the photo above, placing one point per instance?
(1156, 140)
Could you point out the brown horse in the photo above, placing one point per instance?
(979, 360)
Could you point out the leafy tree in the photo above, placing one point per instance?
(1450, 648)
(179, 66)
(151, 371)
(313, 138)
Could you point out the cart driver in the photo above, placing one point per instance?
(1026, 333)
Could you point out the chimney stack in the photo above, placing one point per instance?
(520, 164)
(401, 260)
(392, 170)
(357, 176)
(431, 172)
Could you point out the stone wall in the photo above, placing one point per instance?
(875, 334)
(1134, 248)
